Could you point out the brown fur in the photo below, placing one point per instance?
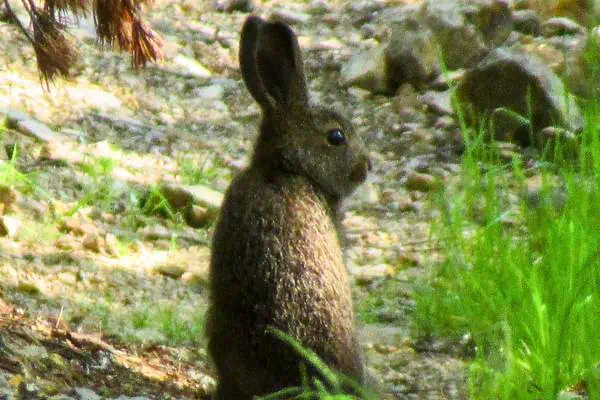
(276, 256)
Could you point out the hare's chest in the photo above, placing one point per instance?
(315, 279)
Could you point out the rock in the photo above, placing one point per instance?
(444, 122)
(8, 197)
(560, 26)
(77, 226)
(576, 69)
(568, 56)
(366, 70)
(9, 226)
(14, 115)
(411, 55)
(289, 16)
(37, 130)
(539, 193)
(29, 288)
(235, 5)
(174, 271)
(438, 102)
(366, 275)
(93, 242)
(112, 244)
(211, 92)
(197, 216)
(508, 151)
(421, 182)
(195, 280)
(35, 207)
(467, 30)
(95, 97)
(527, 22)
(366, 194)
(192, 66)
(181, 196)
(492, 18)
(446, 80)
(405, 204)
(123, 397)
(567, 395)
(28, 391)
(505, 83)
(81, 393)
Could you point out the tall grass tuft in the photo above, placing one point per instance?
(330, 386)
(521, 274)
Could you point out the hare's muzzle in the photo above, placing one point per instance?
(360, 170)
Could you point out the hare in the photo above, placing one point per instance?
(276, 253)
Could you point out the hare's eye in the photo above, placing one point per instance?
(335, 137)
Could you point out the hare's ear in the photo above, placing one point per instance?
(272, 65)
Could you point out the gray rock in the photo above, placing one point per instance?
(366, 275)
(467, 30)
(448, 79)
(438, 102)
(290, 16)
(235, 5)
(421, 182)
(411, 55)
(506, 84)
(198, 216)
(576, 69)
(123, 397)
(81, 393)
(173, 271)
(28, 391)
(8, 197)
(9, 226)
(211, 92)
(568, 56)
(527, 22)
(3, 380)
(366, 70)
(37, 130)
(180, 196)
(191, 66)
(14, 115)
(560, 26)
(460, 43)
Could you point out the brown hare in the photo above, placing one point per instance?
(276, 254)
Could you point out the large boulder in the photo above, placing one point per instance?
(366, 70)
(568, 53)
(509, 83)
(462, 31)
(467, 30)
(411, 55)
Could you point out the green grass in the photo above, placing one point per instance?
(381, 304)
(178, 327)
(100, 192)
(331, 386)
(10, 175)
(521, 278)
(146, 323)
(202, 172)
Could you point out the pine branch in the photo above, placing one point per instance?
(117, 22)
